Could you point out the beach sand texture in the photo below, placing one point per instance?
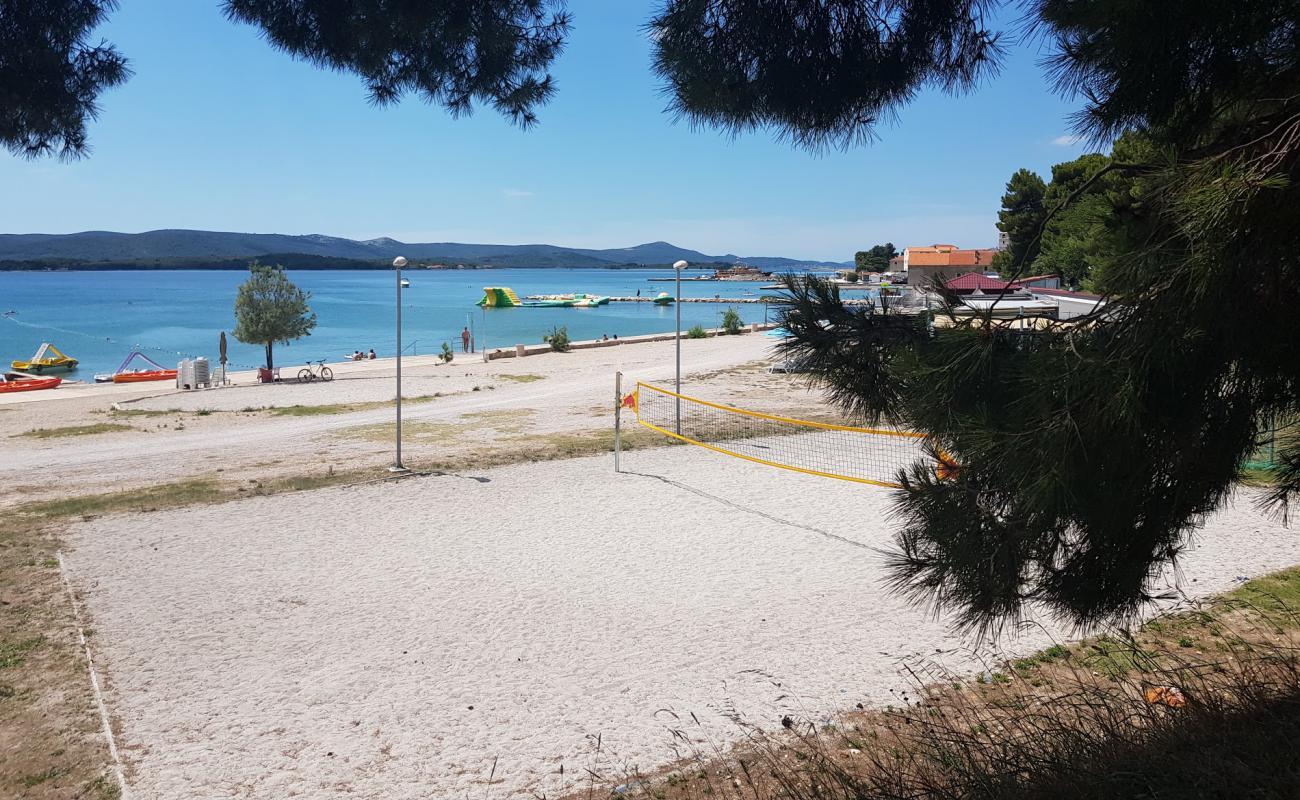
(393, 640)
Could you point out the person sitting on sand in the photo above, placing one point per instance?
(356, 355)
(605, 338)
(372, 354)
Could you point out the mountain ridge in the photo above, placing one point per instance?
(171, 244)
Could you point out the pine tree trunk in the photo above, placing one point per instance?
(269, 365)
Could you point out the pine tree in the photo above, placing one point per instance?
(1021, 218)
(270, 309)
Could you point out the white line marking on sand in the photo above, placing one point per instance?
(94, 682)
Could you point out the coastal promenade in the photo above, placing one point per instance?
(76, 387)
(157, 433)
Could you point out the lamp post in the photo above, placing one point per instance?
(677, 301)
(398, 263)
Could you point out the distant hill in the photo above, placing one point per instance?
(209, 248)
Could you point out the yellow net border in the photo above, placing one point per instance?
(872, 456)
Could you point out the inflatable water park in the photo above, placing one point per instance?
(505, 297)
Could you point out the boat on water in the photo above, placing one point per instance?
(19, 382)
(126, 375)
(48, 359)
(405, 284)
(663, 299)
(505, 297)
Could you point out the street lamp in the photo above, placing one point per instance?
(398, 263)
(677, 301)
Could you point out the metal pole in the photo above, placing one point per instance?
(618, 418)
(677, 301)
(398, 263)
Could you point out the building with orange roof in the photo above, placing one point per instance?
(944, 262)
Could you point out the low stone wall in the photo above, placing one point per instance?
(523, 350)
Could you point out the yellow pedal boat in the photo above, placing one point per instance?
(47, 359)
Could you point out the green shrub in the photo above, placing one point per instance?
(558, 339)
(731, 322)
(697, 332)
(446, 355)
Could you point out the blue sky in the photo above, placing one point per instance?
(218, 131)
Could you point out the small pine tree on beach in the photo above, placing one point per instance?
(731, 322)
(270, 309)
(558, 339)
(446, 355)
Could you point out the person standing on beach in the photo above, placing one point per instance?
(464, 340)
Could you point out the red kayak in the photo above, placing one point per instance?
(145, 375)
(28, 384)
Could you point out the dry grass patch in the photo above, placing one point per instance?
(49, 730)
(412, 432)
(139, 412)
(323, 409)
(345, 408)
(75, 430)
(542, 447)
(748, 368)
(502, 420)
(1204, 703)
(474, 428)
(523, 378)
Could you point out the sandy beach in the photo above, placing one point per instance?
(398, 640)
(161, 434)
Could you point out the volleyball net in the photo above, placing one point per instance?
(864, 455)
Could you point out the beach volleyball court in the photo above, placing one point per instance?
(479, 634)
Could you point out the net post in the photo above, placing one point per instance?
(618, 418)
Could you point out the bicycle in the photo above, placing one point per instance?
(309, 373)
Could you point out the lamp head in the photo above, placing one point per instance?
(680, 265)
(399, 262)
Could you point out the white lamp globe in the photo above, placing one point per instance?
(680, 265)
(399, 262)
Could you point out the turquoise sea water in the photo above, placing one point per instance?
(100, 317)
